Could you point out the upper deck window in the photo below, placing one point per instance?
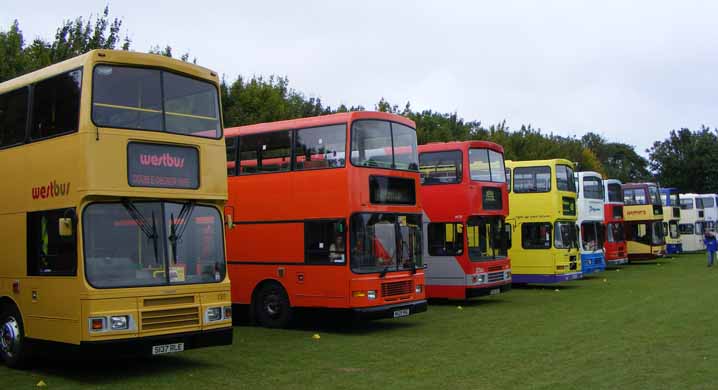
(13, 117)
(564, 178)
(383, 144)
(614, 193)
(151, 99)
(320, 147)
(708, 202)
(487, 165)
(634, 196)
(56, 105)
(592, 187)
(265, 152)
(655, 198)
(532, 179)
(440, 167)
(686, 204)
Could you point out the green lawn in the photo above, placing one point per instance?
(642, 326)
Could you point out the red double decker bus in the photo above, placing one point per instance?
(465, 200)
(313, 229)
(615, 245)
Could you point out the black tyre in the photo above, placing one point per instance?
(271, 306)
(14, 349)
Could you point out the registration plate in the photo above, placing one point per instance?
(167, 348)
(401, 313)
(495, 291)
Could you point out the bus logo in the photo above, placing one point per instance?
(51, 190)
(163, 166)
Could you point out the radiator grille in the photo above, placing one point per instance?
(495, 268)
(169, 318)
(397, 288)
(496, 277)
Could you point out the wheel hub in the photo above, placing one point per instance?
(10, 336)
(272, 305)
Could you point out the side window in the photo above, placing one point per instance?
(324, 242)
(321, 147)
(265, 153)
(440, 167)
(536, 235)
(13, 117)
(446, 239)
(532, 179)
(231, 155)
(56, 105)
(48, 253)
(508, 178)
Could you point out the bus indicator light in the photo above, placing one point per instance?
(97, 324)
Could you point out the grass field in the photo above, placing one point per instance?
(641, 326)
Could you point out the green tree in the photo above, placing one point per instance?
(687, 160)
(618, 159)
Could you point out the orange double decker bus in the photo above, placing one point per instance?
(295, 200)
(466, 202)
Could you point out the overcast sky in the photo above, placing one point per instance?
(631, 70)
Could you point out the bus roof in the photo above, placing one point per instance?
(589, 174)
(639, 185)
(462, 145)
(534, 163)
(612, 181)
(109, 56)
(315, 121)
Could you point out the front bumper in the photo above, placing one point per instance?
(538, 278)
(143, 346)
(474, 292)
(389, 311)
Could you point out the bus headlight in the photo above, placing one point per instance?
(214, 314)
(419, 288)
(119, 322)
(228, 312)
(371, 294)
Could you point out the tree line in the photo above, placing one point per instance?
(686, 159)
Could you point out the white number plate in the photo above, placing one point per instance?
(401, 313)
(495, 291)
(167, 348)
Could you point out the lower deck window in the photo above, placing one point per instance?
(536, 235)
(324, 242)
(49, 253)
(445, 239)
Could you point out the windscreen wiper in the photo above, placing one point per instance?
(149, 230)
(177, 229)
(384, 271)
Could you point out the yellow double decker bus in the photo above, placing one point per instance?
(643, 216)
(113, 172)
(542, 218)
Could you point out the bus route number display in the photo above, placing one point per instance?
(162, 166)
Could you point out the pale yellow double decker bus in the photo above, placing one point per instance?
(113, 172)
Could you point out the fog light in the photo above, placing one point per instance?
(228, 312)
(214, 314)
(119, 322)
(419, 288)
(371, 294)
(97, 324)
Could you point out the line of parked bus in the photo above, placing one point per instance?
(127, 209)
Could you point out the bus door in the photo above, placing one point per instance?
(50, 293)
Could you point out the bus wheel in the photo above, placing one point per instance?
(13, 347)
(271, 306)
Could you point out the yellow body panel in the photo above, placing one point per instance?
(92, 163)
(550, 207)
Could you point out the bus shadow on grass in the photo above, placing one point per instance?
(551, 286)
(108, 371)
(330, 321)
